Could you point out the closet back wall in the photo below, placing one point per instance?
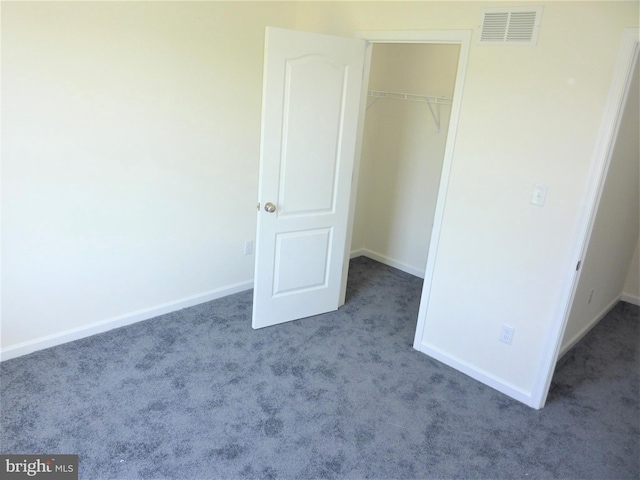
(402, 154)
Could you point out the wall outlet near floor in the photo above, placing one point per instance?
(248, 247)
(506, 334)
(590, 296)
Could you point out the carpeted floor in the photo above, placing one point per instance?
(198, 394)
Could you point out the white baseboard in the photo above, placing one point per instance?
(358, 253)
(578, 336)
(476, 373)
(627, 297)
(41, 343)
(388, 261)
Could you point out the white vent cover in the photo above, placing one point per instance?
(510, 26)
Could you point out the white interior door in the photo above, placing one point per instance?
(311, 99)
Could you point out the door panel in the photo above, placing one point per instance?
(310, 134)
(301, 261)
(311, 97)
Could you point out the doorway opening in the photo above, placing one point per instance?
(411, 88)
(607, 257)
(407, 150)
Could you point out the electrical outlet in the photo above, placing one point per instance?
(590, 296)
(506, 334)
(539, 194)
(248, 247)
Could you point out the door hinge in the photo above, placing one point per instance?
(258, 206)
(578, 265)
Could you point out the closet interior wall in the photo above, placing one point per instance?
(402, 154)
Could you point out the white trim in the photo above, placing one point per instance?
(476, 373)
(30, 346)
(633, 299)
(462, 38)
(356, 173)
(599, 164)
(587, 328)
(415, 36)
(458, 37)
(378, 257)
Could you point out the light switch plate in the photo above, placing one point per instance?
(539, 194)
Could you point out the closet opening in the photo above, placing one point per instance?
(406, 125)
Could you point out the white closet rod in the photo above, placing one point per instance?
(377, 95)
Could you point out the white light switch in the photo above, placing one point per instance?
(539, 194)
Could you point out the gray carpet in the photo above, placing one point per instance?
(198, 394)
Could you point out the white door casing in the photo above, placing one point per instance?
(597, 176)
(311, 99)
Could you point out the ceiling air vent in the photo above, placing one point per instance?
(510, 26)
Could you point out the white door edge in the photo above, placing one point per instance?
(597, 175)
(356, 173)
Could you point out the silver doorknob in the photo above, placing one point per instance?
(269, 207)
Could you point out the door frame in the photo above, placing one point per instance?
(591, 200)
(457, 37)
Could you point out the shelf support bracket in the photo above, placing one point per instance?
(436, 119)
(374, 101)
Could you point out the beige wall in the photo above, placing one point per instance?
(130, 162)
(402, 153)
(529, 115)
(130, 153)
(632, 284)
(615, 231)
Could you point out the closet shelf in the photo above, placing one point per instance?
(437, 101)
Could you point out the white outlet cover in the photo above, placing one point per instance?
(506, 334)
(539, 194)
